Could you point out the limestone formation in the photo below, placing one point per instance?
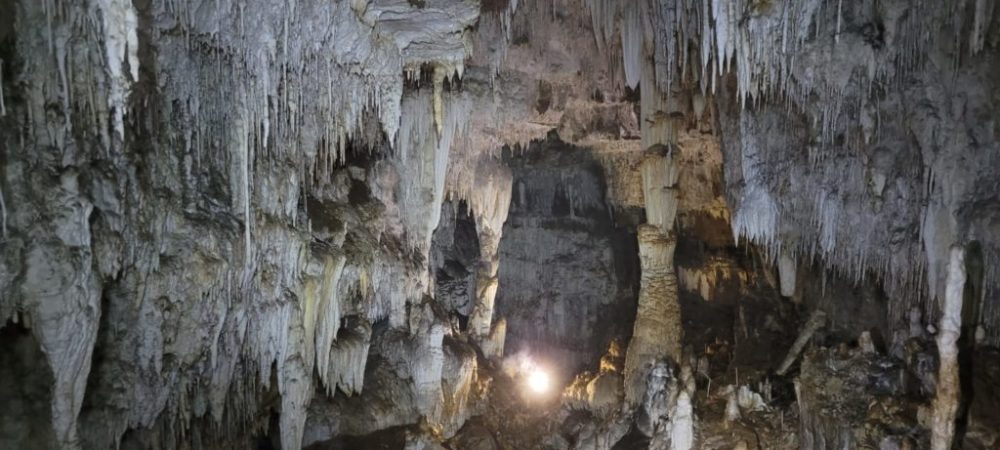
(340, 223)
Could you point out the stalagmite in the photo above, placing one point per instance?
(493, 346)
(815, 322)
(658, 403)
(865, 343)
(748, 400)
(295, 385)
(732, 404)
(486, 291)
(682, 423)
(916, 326)
(948, 386)
(458, 381)
(657, 330)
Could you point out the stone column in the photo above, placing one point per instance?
(657, 330)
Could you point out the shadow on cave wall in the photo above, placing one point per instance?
(25, 391)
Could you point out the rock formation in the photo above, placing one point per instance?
(363, 223)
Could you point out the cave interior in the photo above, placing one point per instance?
(499, 224)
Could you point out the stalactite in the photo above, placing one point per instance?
(121, 47)
(980, 18)
(786, 273)
(632, 43)
(3, 106)
(659, 188)
(488, 196)
(248, 94)
(439, 76)
(3, 215)
(244, 158)
(347, 360)
(328, 316)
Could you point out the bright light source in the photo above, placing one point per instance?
(538, 381)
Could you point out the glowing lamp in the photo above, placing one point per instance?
(538, 381)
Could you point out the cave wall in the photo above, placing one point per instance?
(568, 282)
